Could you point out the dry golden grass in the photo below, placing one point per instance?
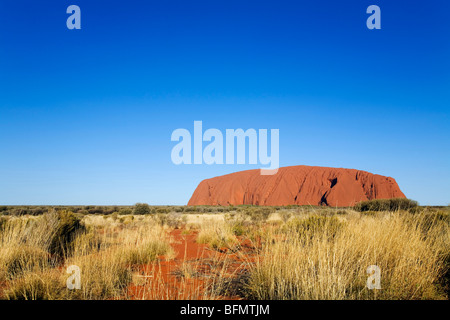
(24, 245)
(217, 234)
(105, 252)
(298, 254)
(329, 262)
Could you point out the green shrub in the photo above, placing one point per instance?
(191, 209)
(393, 204)
(95, 210)
(141, 209)
(125, 211)
(162, 210)
(173, 220)
(257, 214)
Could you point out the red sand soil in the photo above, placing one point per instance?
(296, 185)
(165, 278)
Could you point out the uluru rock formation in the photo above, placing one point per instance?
(301, 185)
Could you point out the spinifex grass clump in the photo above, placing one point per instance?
(312, 265)
(23, 247)
(40, 285)
(217, 235)
(146, 252)
(393, 204)
(67, 228)
(143, 244)
(19, 260)
(314, 225)
(32, 244)
(103, 276)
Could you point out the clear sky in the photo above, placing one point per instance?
(86, 115)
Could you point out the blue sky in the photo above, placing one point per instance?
(86, 115)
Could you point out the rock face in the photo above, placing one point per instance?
(301, 185)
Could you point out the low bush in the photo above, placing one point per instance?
(257, 214)
(172, 220)
(190, 209)
(162, 210)
(393, 204)
(94, 210)
(125, 211)
(141, 209)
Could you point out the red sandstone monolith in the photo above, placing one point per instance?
(300, 185)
